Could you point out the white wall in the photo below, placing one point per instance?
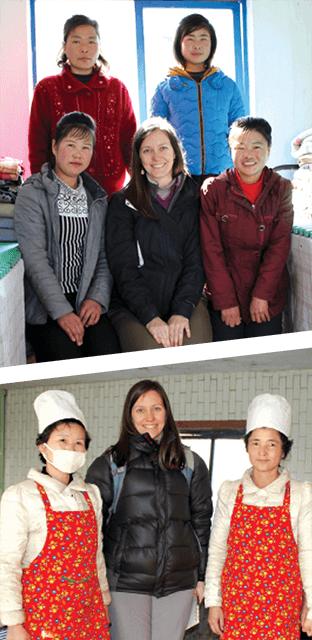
(280, 54)
(202, 397)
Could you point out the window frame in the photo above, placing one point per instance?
(239, 12)
(211, 430)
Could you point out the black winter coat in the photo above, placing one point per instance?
(156, 542)
(156, 262)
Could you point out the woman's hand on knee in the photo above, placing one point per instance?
(73, 327)
(159, 330)
(231, 316)
(216, 620)
(90, 312)
(17, 632)
(259, 310)
(177, 325)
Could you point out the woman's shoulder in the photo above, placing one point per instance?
(228, 489)
(48, 83)
(19, 491)
(301, 489)
(219, 79)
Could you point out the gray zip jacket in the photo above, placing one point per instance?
(37, 226)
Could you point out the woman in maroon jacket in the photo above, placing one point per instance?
(246, 221)
(84, 85)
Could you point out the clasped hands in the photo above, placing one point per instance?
(171, 333)
(74, 324)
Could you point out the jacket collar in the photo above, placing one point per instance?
(45, 179)
(270, 178)
(277, 486)
(179, 71)
(48, 482)
(71, 85)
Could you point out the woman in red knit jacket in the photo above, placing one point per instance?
(84, 85)
(246, 221)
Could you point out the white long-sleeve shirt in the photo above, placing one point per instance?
(270, 496)
(23, 531)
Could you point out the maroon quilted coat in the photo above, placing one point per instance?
(245, 247)
(107, 101)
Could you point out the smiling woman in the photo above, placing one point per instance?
(261, 537)
(246, 221)
(59, 222)
(153, 247)
(156, 519)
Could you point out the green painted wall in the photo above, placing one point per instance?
(2, 401)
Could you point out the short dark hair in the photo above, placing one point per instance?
(248, 123)
(171, 453)
(79, 20)
(188, 25)
(286, 443)
(45, 435)
(78, 123)
(138, 191)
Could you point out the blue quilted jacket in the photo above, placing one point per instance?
(201, 113)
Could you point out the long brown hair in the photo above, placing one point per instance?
(138, 189)
(171, 453)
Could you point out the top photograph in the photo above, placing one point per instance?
(155, 175)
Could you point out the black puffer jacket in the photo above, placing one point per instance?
(156, 542)
(156, 262)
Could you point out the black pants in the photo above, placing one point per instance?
(50, 342)
(221, 331)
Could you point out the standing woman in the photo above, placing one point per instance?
(198, 99)
(84, 85)
(59, 220)
(157, 509)
(52, 572)
(246, 221)
(260, 552)
(153, 247)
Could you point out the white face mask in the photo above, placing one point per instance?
(67, 461)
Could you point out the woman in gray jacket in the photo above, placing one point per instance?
(59, 221)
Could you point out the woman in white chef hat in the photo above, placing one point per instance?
(52, 571)
(259, 572)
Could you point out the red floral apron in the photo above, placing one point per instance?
(261, 583)
(61, 592)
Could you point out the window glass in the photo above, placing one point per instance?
(230, 460)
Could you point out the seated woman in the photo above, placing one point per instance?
(153, 247)
(246, 221)
(59, 221)
(260, 551)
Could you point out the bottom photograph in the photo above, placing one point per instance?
(161, 503)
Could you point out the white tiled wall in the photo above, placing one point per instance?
(202, 397)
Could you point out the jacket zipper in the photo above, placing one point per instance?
(201, 125)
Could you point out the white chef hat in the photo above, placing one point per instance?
(268, 410)
(54, 405)
(301, 145)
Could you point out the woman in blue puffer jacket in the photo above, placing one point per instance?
(199, 100)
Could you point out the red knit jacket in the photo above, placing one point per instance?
(107, 101)
(245, 247)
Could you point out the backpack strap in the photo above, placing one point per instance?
(189, 464)
(118, 474)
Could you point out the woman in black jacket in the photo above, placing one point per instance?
(156, 520)
(153, 247)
